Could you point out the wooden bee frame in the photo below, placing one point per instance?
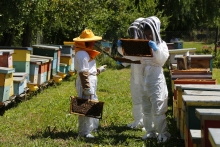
(136, 47)
(86, 107)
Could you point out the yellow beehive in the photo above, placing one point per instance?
(66, 60)
(6, 79)
(57, 78)
(21, 55)
(32, 86)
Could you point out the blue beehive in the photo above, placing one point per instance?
(66, 49)
(178, 45)
(49, 51)
(18, 85)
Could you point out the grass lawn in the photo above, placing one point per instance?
(44, 120)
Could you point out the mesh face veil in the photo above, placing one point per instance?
(154, 26)
(135, 29)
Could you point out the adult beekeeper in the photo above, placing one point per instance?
(86, 82)
(155, 100)
(136, 80)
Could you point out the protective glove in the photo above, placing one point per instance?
(153, 45)
(118, 62)
(102, 68)
(87, 91)
(119, 43)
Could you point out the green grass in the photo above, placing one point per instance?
(44, 120)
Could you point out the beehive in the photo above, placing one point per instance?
(49, 51)
(6, 83)
(6, 59)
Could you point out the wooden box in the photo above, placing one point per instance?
(192, 102)
(209, 118)
(66, 49)
(175, 109)
(49, 51)
(178, 92)
(198, 61)
(20, 53)
(6, 58)
(18, 85)
(136, 47)
(66, 60)
(214, 134)
(174, 52)
(63, 68)
(6, 83)
(34, 67)
(4, 93)
(34, 79)
(58, 60)
(45, 50)
(22, 66)
(72, 64)
(24, 75)
(48, 66)
(86, 107)
(41, 78)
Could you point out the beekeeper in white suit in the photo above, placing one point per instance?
(136, 80)
(155, 100)
(86, 82)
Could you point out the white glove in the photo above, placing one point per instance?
(125, 64)
(102, 68)
(87, 91)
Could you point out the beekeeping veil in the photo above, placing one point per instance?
(135, 29)
(154, 23)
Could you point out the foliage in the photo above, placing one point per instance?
(55, 21)
(189, 15)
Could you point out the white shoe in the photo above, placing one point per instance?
(149, 135)
(163, 137)
(89, 136)
(135, 125)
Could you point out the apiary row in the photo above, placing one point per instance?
(31, 67)
(196, 98)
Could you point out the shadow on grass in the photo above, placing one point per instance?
(111, 135)
(114, 135)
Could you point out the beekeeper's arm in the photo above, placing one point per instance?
(160, 52)
(83, 69)
(119, 49)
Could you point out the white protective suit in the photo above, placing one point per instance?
(136, 80)
(81, 61)
(155, 102)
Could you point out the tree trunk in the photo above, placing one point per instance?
(6, 39)
(26, 37)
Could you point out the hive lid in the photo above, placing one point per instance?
(6, 51)
(20, 74)
(18, 79)
(46, 47)
(39, 60)
(6, 70)
(15, 48)
(42, 57)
